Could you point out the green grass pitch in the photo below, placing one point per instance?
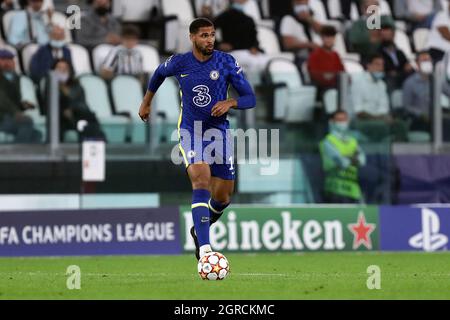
(253, 276)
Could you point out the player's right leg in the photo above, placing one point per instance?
(200, 176)
(221, 192)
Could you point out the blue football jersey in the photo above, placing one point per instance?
(203, 84)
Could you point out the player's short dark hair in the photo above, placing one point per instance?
(199, 23)
(328, 31)
(130, 31)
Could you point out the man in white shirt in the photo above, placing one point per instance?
(30, 25)
(371, 104)
(299, 32)
(439, 38)
(369, 92)
(419, 13)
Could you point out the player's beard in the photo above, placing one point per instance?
(204, 51)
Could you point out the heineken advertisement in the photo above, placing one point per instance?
(250, 229)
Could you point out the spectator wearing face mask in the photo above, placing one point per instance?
(297, 30)
(370, 102)
(324, 64)
(341, 159)
(125, 58)
(43, 60)
(72, 103)
(30, 25)
(13, 119)
(417, 94)
(99, 26)
(396, 65)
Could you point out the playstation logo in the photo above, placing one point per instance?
(429, 239)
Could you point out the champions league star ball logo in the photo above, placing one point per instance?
(214, 75)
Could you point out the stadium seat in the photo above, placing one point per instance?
(47, 4)
(176, 31)
(116, 127)
(6, 21)
(27, 54)
(397, 99)
(341, 49)
(28, 93)
(354, 12)
(293, 102)
(150, 57)
(447, 65)
(293, 185)
(330, 99)
(420, 38)
(402, 42)
(445, 102)
(133, 11)
(419, 136)
(335, 9)
(320, 13)
(218, 6)
(129, 102)
(268, 41)
(352, 66)
(16, 56)
(165, 111)
(80, 59)
(385, 8)
(99, 54)
(58, 18)
(251, 9)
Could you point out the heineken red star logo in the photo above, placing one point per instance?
(361, 232)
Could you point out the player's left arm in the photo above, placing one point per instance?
(246, 100)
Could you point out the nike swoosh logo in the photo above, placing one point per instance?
(184, 75)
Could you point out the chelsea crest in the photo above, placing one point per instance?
(214, 75)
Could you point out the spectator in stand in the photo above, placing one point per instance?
(420, 13)
(13, 120)
(242, 42)
(125, 58)
(371, 104)
(324, 64)
(363, 40)
(30, 25)
(417, 94)
(297, 30)
(99, 26)
(439, 38)
(210, 8)
(43, 60)
(72, 102)
(396, 65)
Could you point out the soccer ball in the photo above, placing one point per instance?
(213, 266)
